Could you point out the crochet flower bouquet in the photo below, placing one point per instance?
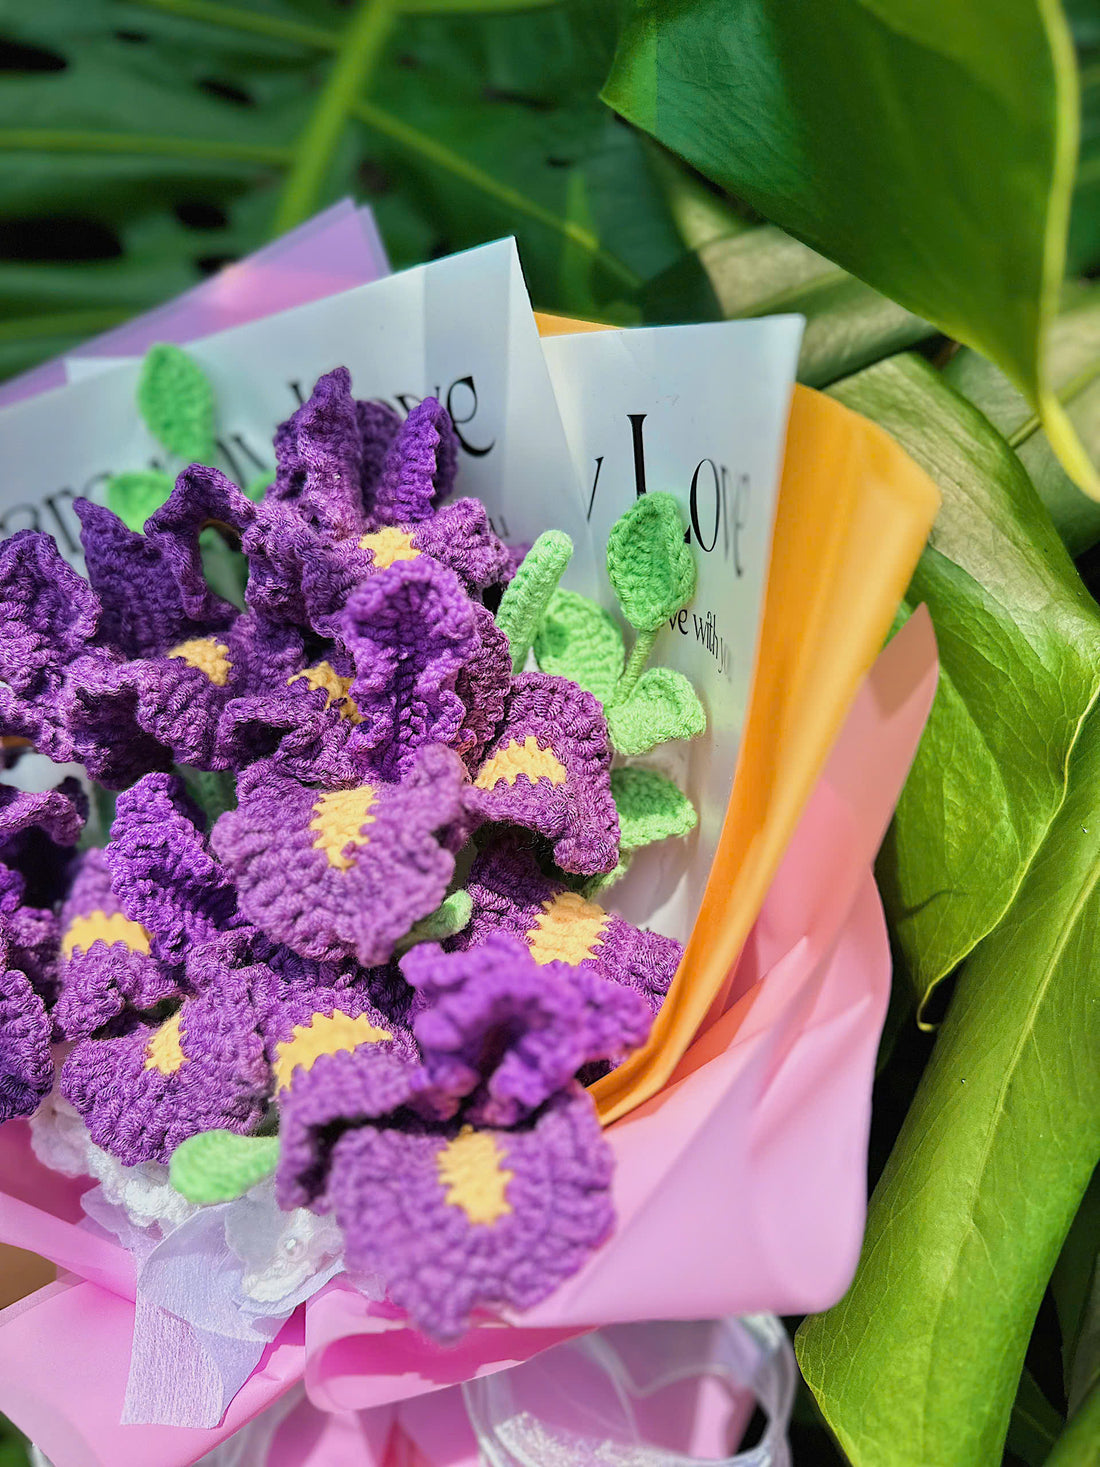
(329, 1030)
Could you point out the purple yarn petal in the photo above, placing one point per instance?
(419, 468)
(161, 871)
(511, 894)
(549, 770)
(342, 873)
(142, 608)
(339, 1091)
(105, 964)
(201, 496)
(460, 537)
(47, 615)
(26, 1066)
(507, 1033)
(410, 629)
(479, 1220)
(319, 459)
(482, 684)
(143, 1092)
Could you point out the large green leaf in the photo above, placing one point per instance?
(1019, 642)
(183, 132)
(987, 1173)
(757, 270)
(1073, 356)
(879, 132)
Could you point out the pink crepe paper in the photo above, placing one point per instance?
(741, 1187)
(335, 251)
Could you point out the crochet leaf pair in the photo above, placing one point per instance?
(176, 402)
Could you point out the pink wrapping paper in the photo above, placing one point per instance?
(741, 1187)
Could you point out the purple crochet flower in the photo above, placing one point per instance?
(511, 894)
(161, 870)
(549, 770)
(26, 1066)
(106, 964)
(363, 481)
(345, 872)
(411, 631)
(183, 653)
(144, 1090)
(33, 830)
(503, 1034)
(472, 1218)
(48, 616)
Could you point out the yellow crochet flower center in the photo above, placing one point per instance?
(338, 688)
(207, 655)
(567, 929)
(515, 759)
(98, 926)
(470, 1169)
(338, 819)
(164, 1052)
(389, 545)
(324, 1034)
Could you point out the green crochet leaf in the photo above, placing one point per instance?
(256, 488)
(217, 1166)
(528, 593)
(591, 887)
(451, 916)
(176, 400)
(579, 640)
(651, 808)
(663, 705)
(649, 565)
(135, 496)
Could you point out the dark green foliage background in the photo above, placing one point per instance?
(143, 143)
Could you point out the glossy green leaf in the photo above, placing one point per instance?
(877, 131)
(217, 1166)
(1079, 1444)
(1073, 356)
(662, 706)
(757, 270)
(1075, 1284)
(136, 495)
(980, 1189)
(1034, 1425)
(1019, 643)
(579, 640)
(650, 807)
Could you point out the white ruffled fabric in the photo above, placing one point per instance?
(214, 1284)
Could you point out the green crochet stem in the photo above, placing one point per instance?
(639, 656)
(451, 916)
(524, 603)
(215, 791)
(219, 1166)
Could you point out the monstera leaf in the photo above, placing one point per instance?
(145, 142)
(855, 126)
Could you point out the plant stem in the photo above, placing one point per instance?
(249, 21)
(360, 47)
(443, 157)
(639, 656)
(1065, 395)
(77, 140)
